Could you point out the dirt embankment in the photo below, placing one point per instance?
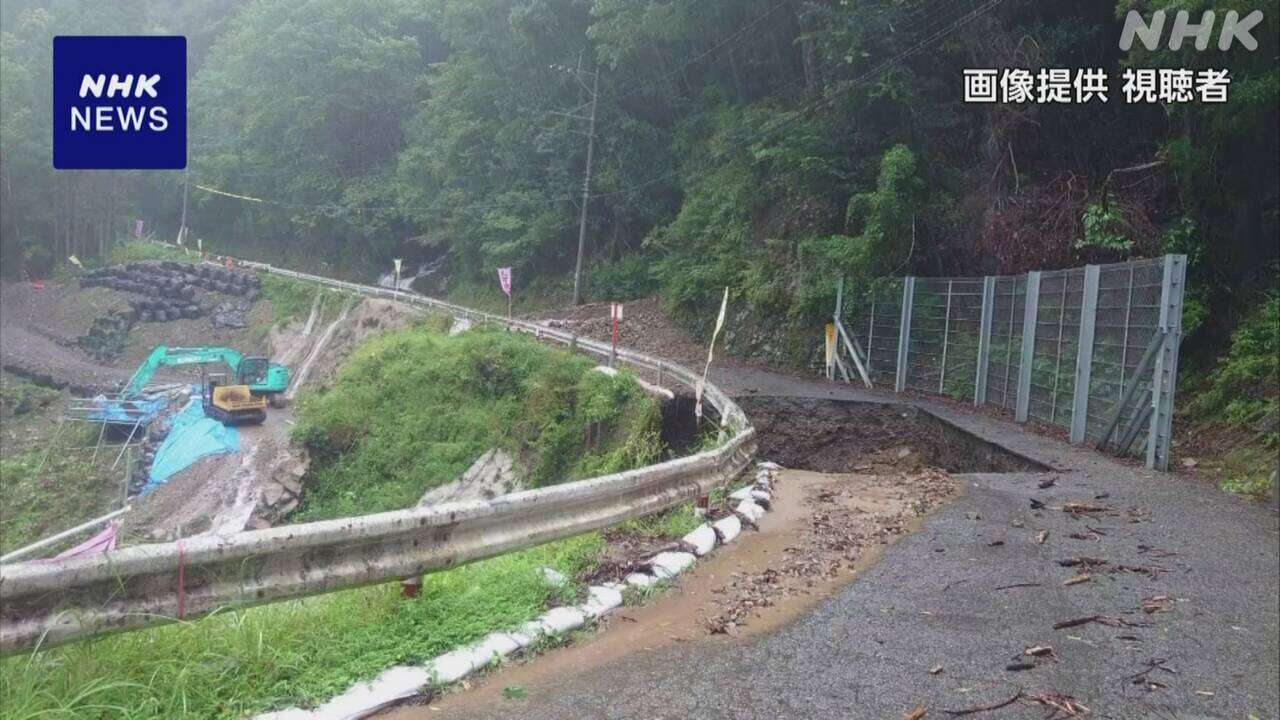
(263, 482)
(645, 327)
(39, 326)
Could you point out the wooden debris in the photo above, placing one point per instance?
(1075, 507)
(1059, 703)
(915, 714)
(1018, 585)
(935, 669)
(986, 708)
(1076, 622)
(1042, 536)
(1087, 562)
(1038, 651)
(1077, 579)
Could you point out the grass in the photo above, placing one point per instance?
(139, 250)
(670, 524)
(412, 410)
(70, 487)
(1242, 395)
(237, 663)
(409, 409)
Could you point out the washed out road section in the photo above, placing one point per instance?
(1177, 619)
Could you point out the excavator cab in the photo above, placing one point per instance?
(232, 404)
(257, 372)
(252, 371)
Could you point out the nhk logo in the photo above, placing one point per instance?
(119, 102)
(1233, 28)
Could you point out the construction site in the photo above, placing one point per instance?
(170, 392)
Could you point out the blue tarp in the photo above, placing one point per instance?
(124, 412)
(192, 437)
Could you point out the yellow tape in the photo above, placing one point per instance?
(215, 191)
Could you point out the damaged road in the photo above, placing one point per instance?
(974, 614)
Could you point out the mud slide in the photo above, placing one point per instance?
(301, 377)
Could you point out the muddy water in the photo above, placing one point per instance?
(681, 614)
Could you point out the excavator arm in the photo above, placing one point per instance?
(164, 356)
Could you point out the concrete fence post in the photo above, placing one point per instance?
(1084, 354)
(1030, 309)
(984, 340)
(1165, 376)
(946, 335)
(904, 333)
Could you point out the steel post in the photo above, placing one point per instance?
(904, 334)
(1084, 354)
(1027, 356)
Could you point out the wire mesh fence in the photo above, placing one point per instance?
(1092, 350)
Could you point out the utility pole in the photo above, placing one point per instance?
(182, 227)
(586, 191)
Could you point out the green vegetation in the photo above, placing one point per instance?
(69, 488)
(1242, 394)
(411, 410)
(414, 407)
(233, 664)
(671, 524)
(19, 397)
(290, 299)
(138, 250)
(1242, 388)
(764, 146)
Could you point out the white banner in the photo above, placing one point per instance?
(702, 383)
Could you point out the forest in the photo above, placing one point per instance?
(767, 145)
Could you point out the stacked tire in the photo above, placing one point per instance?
(173, 280)
(169, 289)
(107, 335)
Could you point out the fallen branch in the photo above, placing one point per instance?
(1017, 585)
(985, 708)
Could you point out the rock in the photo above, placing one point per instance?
(460, 324)
(750, 510)
(492, 474)
(703, 539)
(282, 484)
(669, 564)
(231, 314)
(728, 528)
(554, 577)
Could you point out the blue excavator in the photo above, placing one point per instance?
(255, 382)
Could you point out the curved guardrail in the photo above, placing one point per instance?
(52, 602)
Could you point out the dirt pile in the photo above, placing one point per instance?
(845, 521)
(644, 327)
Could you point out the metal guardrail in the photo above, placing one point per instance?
(47, 603)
